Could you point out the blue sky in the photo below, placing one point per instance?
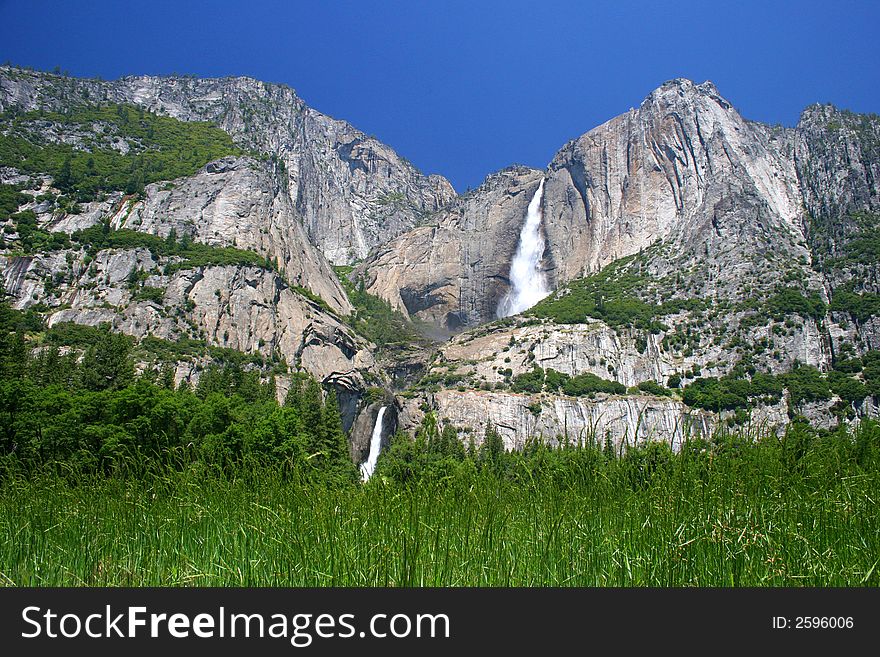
(464, 88)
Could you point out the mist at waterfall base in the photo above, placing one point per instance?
(528, 285)
(369, 466)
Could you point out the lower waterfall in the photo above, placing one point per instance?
(368, 466)
(528, 285)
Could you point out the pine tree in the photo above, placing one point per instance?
(64, 179)
(166, 379)
(171, 240)
(340, 464)
(107, 365)
(492, 450)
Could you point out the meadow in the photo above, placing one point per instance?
(800, 510)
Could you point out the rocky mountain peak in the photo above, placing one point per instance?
(684, 168)
(684, 87)
(655, 171)
(818, 115)
(685, 97)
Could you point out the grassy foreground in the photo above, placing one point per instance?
(742, 514)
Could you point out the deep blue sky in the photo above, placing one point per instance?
(464, 88)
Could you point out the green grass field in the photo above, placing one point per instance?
(748, 514)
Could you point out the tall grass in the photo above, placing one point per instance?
(767, 513)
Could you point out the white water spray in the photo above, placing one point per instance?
(528, 285)
(368, 466)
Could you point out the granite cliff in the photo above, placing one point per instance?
(686, 244)
(350, 190)
(706, 269)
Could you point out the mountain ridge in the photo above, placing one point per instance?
(687, 248)
(333, 168)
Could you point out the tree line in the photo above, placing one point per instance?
(88, 409)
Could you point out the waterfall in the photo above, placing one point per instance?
(528, 285)
(368, 466)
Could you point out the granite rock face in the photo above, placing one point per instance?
(683, 157)
(684, 168)
(352, 191)
(249, 309)
(237, 202)
(453, 271)
(234, 201)
(596, 348)
(485, 361)
(621, 420)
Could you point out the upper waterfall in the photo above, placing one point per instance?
(528, 284)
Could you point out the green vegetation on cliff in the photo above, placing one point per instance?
(155, 147)
(374, 318)
(10, 200)
(611, 295)
(841, 242)
(860, 306)
(585, 384)
(186, 254)
(847, 251)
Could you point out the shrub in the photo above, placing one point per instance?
(653, 388)
(587, 383)
(147, 293)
